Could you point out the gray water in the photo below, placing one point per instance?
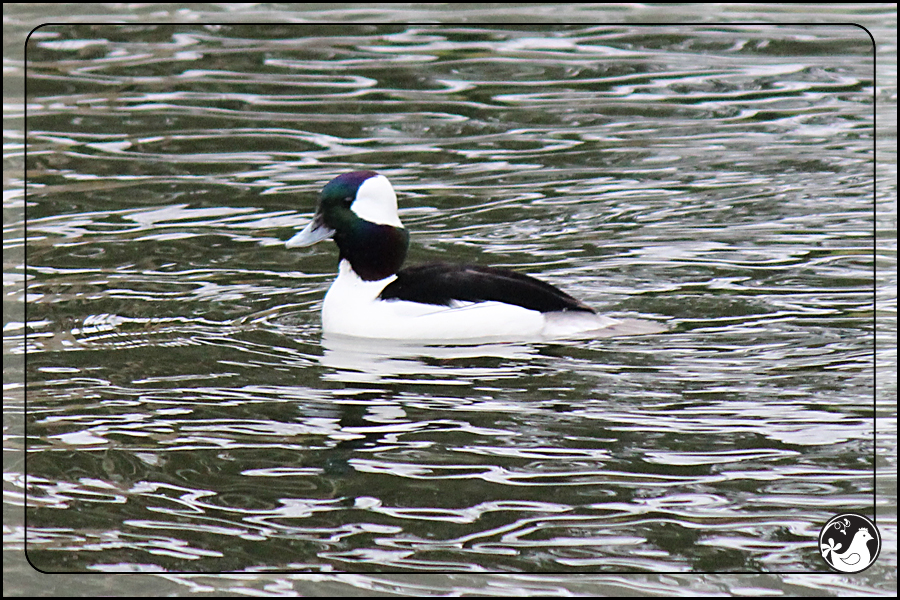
(184, 414)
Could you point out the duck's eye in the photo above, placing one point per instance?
(348, 201)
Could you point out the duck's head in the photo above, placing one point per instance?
(359, 211)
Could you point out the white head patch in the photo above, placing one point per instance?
(376, 202)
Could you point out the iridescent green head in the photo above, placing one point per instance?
(359, 211)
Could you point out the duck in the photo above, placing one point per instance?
(375, 296)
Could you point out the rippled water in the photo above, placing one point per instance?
(184, 414)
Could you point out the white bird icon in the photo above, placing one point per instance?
(853, 559)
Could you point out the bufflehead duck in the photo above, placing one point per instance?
(373, 297)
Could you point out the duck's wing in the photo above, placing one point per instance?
(443, 284)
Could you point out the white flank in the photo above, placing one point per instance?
(352, 308)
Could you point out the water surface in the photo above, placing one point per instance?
(185, 414)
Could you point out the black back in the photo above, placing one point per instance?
(443, 283)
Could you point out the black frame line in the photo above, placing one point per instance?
(380, 572)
